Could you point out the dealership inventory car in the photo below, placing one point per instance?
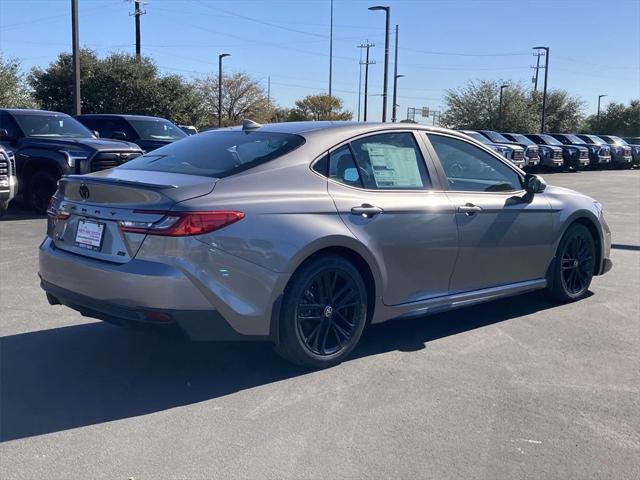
(599, 155)
(620, 155)
(512, 152)
(303, 233)
(148, 133)
(633, 150)
(48, 145)
(550, 155)
(531, 150)
(8, 179)
(575, 157)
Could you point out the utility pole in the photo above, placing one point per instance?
(537, 67)
(544, 92)
(387, 11)
(331, 49)
(598, 116)
(502, 87)
(359, 81)
(137, 14)
(75, 43)
(395, 80)
(220, 57)
(269, 89)
(366, 74)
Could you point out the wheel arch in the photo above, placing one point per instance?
(589, 220)
(350, 250)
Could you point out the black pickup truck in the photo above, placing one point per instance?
(575, 157)
(48, 145)
(148, 133)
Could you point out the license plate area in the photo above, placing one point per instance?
(89, 235)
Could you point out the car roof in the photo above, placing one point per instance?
(322, 127)
(30, 111)
(117, 115)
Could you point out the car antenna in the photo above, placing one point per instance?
(250, 125)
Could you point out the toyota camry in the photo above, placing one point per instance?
(302, 234)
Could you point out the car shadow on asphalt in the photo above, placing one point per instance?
(20, 211)
(74, 376)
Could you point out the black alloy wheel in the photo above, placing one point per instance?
(324, 312)
(575, 264)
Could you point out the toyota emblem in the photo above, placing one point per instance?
(84, 191)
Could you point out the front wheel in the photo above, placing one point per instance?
(324, 312)
(40, 189)
(574, 265)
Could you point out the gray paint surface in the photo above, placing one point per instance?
(520, 388)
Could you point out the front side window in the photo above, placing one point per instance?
(157, 129)
(217, 153)
(51, 125)
(471, 169)
(390, 161)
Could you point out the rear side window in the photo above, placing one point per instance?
(342, 167)
(390, 161)
(217, 153)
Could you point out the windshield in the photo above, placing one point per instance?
(497, 138)
(518, 137)
(217, 153)
(51, 125)
(478, 136)
(615, 140)
(573, 139)
(157, 129)
(549, 140)
(593, 140)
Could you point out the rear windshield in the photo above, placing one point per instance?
(217, 153)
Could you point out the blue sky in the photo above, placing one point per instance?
(595, 45)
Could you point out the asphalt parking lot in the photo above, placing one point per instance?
(520, 388)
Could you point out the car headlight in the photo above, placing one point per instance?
(74, 156)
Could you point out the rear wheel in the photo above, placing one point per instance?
(40, 189)
(574, 265)
(324, 312)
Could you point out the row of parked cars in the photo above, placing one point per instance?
(38, 147)
(562, 151)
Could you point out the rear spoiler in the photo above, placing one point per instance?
(133, 183)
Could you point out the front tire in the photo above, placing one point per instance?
(574, 264)
(40, 189)
(324, 312)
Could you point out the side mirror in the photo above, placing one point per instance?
(117, 135)
(95, 133)
(4, 135)
(534, 184)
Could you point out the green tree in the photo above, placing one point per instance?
(14, 91)
(242, 97)
(616, 119)
(320, 107)
(118, 83)
(476, 106)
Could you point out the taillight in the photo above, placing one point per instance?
(53, 212)
(180, 224)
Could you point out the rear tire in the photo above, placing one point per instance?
(323, 314)
(574, 264)
(40, 189)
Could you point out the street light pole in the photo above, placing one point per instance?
(331, 49)
(598, 116)
(220, 57)
(75, 44)
(395, 79)
(544, 93)
(387, 11)
(502, 87)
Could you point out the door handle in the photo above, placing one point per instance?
(366, 210)
(469, 209)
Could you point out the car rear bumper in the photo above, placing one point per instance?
(149, 293)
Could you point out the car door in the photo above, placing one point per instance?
(505, 235)
(383, 191)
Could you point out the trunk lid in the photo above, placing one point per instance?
(86, 209)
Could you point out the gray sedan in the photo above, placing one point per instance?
(303, 233)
